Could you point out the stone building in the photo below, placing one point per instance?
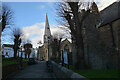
(45, 51)
(91, 39)
(41, 53)
(109, 32)
(101, 37)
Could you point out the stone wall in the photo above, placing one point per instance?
(109, 35)
(62, 72)
(93, 55)
(100, 44)
(11, 68)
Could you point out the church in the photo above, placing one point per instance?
(45, 51)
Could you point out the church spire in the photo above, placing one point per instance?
(47, 30)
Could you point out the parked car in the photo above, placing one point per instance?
(41, 59)
(31, 61)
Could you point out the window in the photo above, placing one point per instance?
(7, 53)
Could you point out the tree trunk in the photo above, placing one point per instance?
(78, 38)
(21, 54)
(15, 53)
(0, 36)
(25, 55)
(0, 42)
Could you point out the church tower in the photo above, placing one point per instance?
(47, 33)
(94, 8)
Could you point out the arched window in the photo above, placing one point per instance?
(66, 47)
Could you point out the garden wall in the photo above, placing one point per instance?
(11, 68)
(62, 72)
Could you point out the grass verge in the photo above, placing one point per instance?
(110, 73)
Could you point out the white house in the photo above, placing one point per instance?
(8, 50)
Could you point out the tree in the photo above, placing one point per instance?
(27, 48)
(0, 26)
(73, 14)
(6, 16)
(39, 42)
(56, 45)
(17, 33)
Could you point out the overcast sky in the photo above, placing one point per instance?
(30, 17)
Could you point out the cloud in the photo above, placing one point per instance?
(60, 31)
(104, 3)
(35, 32)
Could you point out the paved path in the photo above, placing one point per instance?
(34, 71)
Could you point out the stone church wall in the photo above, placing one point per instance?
(111, 55)
(98, 44)
(93, 55)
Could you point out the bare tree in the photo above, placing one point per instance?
(6, 16)
(73, 14)
(56, 44)
(26, 43)
(17, 40)
(27, 48)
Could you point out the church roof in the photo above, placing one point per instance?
(64, 39)
(110, 13)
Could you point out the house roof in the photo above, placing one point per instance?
(110, 13)
(8, 45)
